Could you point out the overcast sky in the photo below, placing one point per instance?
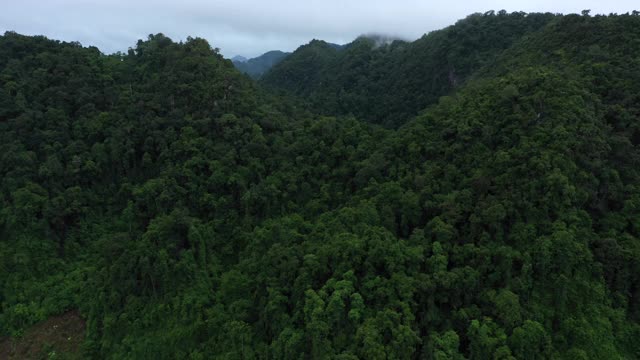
(252, 27)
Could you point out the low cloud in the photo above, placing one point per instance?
(250, 28)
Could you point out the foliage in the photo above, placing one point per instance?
(188, 213)
(388, 83)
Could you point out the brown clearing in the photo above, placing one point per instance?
(58, 337)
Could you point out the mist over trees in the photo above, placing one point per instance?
(388, 82)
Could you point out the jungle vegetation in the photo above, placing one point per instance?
(474, 194)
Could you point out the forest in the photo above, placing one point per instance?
(474, 194)
(257, 66)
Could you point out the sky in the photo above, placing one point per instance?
(252, 27)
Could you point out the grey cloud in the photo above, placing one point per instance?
(251, 27)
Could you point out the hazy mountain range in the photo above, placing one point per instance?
(257, 66)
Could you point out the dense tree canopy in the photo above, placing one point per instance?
(389, 83)
(188, 213)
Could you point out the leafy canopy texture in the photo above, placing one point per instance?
(187, 213)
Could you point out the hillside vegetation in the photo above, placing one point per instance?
(187, 213)
(391, 83)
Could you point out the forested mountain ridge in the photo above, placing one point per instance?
(257, 66)
(188, 214)
(390, 84)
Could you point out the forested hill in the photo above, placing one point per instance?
(390, 84)
(185, 212)
(257, 66)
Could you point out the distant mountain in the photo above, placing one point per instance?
(239, 59)
(257, 66)
(305, 67)
(387, 81)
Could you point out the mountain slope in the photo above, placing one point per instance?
(190, 215)
(388, 85)
(257, 66)
(239, 59)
